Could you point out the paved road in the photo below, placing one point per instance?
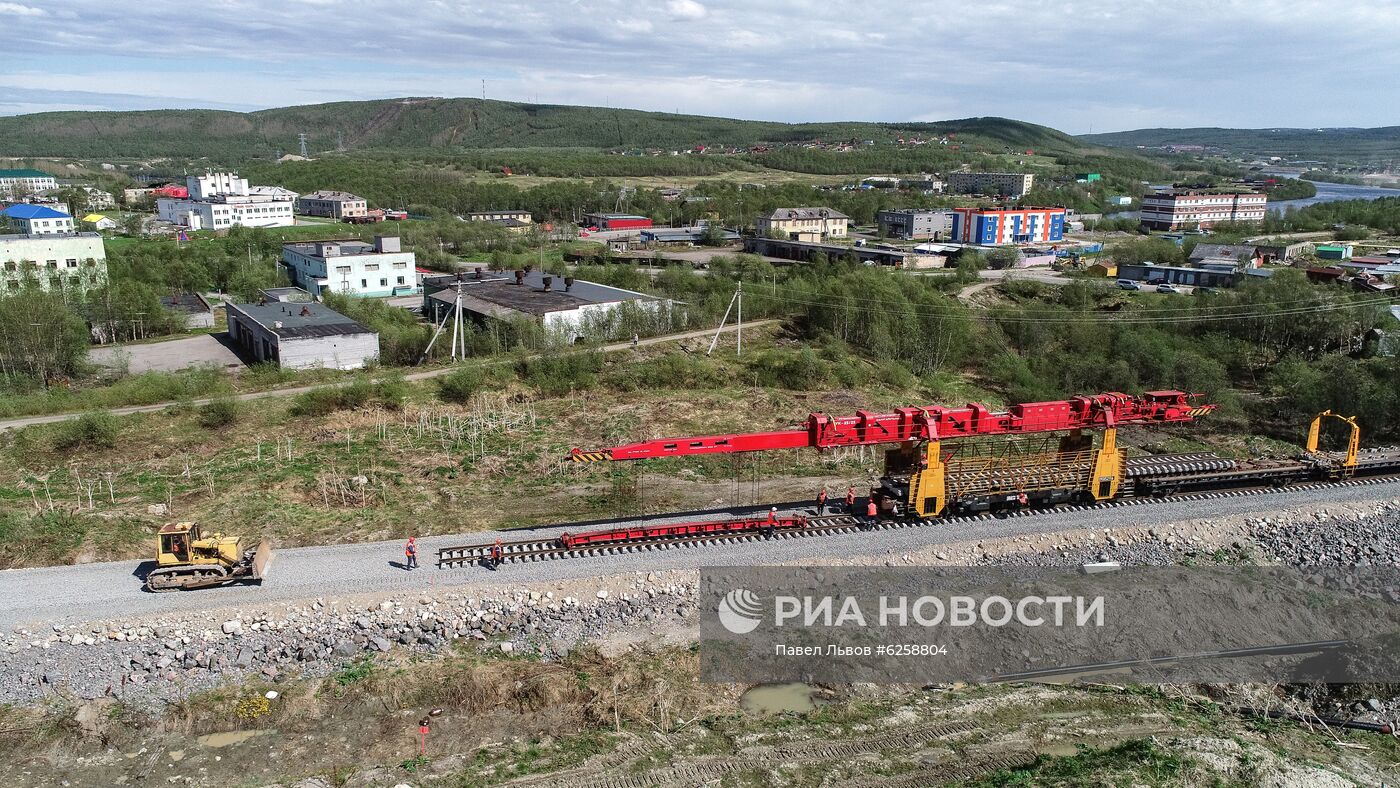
(27, 421)
(77, 594)
(168, 356)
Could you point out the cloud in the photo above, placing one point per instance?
(1100, 63)
(686, 9)
(16, 9)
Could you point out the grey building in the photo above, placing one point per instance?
(197, 312)
(336, 205)
(300, 336)
(908, 223)
(1008, 184)
(573, 307)
(1172, 275)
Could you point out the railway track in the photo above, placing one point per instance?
(552, 548)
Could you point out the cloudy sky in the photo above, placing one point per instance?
(1078, 65)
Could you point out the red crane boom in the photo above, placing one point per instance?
(931, 423)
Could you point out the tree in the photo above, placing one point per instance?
(133, 224)
(40, 336)
(1003, 257)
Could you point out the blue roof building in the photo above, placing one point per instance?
(38, 220)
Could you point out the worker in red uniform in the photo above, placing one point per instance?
(771, 523)
(497, 554)
(410, 554)
(872, 513)
(1022, 499)
(821, 501)
(851, 501)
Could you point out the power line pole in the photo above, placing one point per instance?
(738, 300)
(301, 143)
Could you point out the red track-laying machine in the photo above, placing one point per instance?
(920, 478)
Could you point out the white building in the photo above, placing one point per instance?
(37, 220)
(220, 200)
(75, 260)
(354, 267)
(1009, 184)
(16, 184)
(301, 336)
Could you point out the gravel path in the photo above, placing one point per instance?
(94, 592)
(28, 421)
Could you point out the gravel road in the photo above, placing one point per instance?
(94, 592)
(28, 421)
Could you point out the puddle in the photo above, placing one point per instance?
(778, 698)
(227, 739)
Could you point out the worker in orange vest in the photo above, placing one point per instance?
(872, 513)
(771, 523)
(821, 501)
(850, 500)
(497, 554)
(410, 553)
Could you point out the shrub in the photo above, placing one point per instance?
(460, 385)
(558, 375)
(388, 393)
(94, 430)
(316, 402)
(218, 413)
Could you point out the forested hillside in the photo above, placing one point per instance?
(457, 123)
(1320, 144)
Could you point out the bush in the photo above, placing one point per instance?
(558, 375)
(95, 430)
(218, 413)
(388, 393)
(460, 385)
(316, 402)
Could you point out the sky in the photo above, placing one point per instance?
(1077, 65)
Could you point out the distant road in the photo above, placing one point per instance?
(994, 278)
(50, 418)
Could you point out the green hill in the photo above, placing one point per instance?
(457, 123)
(1330, 145)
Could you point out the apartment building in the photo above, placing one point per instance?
(333, 204)
(804, 224)
(1178, 209)
(17, 184)
(37, 220)
(352, 266)
(220, 200)
(52, 262)
(912, 224)
(990, 227)
(1006, 184)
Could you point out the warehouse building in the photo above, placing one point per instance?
(914, 224)
(1173, 275)
(301, 336)
(616, 221)
(994, 227)
(686, 235)
(333, 204)
(509, 218)
(807, 251)
(561, 304)
(1006, 184)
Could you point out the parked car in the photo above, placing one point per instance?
(1128, 284)
(1206, 291)
(1166, 288)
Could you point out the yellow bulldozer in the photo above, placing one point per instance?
(186, 558)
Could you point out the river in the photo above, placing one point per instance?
(1332, 192)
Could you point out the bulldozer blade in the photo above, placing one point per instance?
(262, 559)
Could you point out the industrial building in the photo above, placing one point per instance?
(807, 251)
(1006, 184)
(993, 227)
(1225, 256)
(300, 336)
(616, 221)
(1284, 253)
(804, 224)
(685, 235)
(562, 304)
(220, 200)
(333, 204)
(499, 217)
(17, 184)
(915, 224)
(28, 219)
(352, 266)
(1176, 209)
(1173, 275)
(52, 262)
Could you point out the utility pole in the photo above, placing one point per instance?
(301, 144)
(738, 300)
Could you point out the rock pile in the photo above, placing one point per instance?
(146, 663)
(1354, 536)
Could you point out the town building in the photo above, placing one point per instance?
(287, 294)
(352, 266)
(98, 200)
(1174, 275)
(164, 190)
(333, 204)
(572, 307)
(99, 222)
(523, 217)
(693, 236)
(1333, 251)
(193, 307)
(804, 224)
(18, 184)
(1175, 209)
(909, 223)
(992, 227)
(221, 200)
(807, 251)
(1284, 253)
(300, 336)
(27, 219)
(1230, 256)
(1006, 184)
(616, 221)
(52, 262)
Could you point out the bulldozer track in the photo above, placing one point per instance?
(942, 774)
(889, 741)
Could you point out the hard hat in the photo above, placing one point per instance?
(774, 509)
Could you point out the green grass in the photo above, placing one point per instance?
(1137, 762)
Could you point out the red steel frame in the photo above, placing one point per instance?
(1098, 411)
(669, 530)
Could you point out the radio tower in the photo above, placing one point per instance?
(301, 142)
(340, 140)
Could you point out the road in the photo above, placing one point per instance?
(28, 421)
(93, 592)
(994, 278)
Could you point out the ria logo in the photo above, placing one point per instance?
(740, 611)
